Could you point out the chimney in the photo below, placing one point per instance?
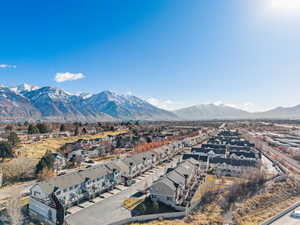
(186, 180)
(176, 193)
(153, 159)
(130, 168)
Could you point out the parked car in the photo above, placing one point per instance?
(296, 213)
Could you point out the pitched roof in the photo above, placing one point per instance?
(61, 182)
(120, 165)
(176, 178)
(163, 186)
(94, 172)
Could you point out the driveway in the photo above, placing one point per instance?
(110, 210)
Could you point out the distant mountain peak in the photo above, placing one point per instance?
(23, 88)
(85, 95)
(211, 111)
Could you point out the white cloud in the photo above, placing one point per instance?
(67, 76)
(246, 106)
(8, 66)
(251, 107)
(218, 103)
(285, 5)
(163, 104)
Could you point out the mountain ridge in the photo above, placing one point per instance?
(210, 112)
(26, 102)
(213, 111)
(29, 103)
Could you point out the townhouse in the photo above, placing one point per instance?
(50, 199)
(223, 158)
(71, 189)
(178, 186)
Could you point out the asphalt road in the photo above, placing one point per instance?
(287, 220)
(110, 210)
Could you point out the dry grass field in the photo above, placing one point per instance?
(132, 202)
(207, 185)
(272, 199)
(37, 149)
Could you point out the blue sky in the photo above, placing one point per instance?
(173, 53)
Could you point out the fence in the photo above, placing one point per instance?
(145, 218)
(278, 216)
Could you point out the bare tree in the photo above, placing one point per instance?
(18, 169)
(13, 208)
(46, 174)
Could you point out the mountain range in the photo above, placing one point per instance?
(213, 112)
(26, 102)
(30, 103)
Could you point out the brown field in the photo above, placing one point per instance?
(37, 149)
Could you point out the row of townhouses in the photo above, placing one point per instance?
(227, 154)
(50, 199)
(178, 186)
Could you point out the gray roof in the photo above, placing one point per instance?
(119, 165)
(94, 172)
(185, 168)
(71, 179)
(61, 182)
(176, 177)
(163, 186)
(137, 159)
(193, 161)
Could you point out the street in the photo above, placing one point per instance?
(287, 220)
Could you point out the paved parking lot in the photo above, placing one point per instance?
(108, 207)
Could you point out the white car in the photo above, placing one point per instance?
(296, 213)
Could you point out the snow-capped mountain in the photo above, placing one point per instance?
(85, 95)
(29, 103)
(26, 102)
(126, 107)
(58, 105)
(53, 103)
(23, 88)
(15, 107)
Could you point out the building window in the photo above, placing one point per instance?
(50, 215)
